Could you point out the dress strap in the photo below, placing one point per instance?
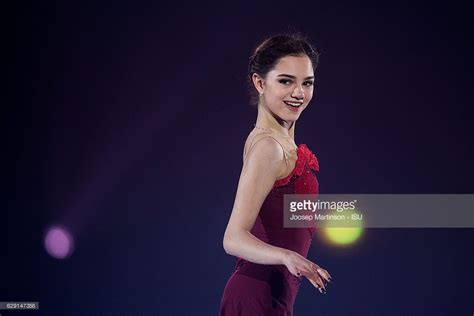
(289, 152)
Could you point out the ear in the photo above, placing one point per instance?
(258, 83)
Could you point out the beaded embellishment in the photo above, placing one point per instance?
(305, 157)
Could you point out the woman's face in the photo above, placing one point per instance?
(288, 87)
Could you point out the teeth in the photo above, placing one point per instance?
(293, 103)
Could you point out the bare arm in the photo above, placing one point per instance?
(261, 169)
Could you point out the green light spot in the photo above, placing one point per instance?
(343, 235)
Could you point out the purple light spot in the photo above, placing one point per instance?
(58, 242)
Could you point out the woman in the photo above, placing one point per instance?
(271, 259)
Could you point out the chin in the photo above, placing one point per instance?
(293, 116)
(290, 117)
(286, 115)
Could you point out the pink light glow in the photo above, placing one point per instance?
(58, 242)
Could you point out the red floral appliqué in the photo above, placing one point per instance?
(304, 157)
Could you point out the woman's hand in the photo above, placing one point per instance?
(299, 265)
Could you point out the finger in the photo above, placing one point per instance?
(323, 284)
(316, 285)
(324, 274)
(314, 268)
(315, 276)
(330, 277)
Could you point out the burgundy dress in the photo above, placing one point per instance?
(256, 289)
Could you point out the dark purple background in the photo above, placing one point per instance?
(128, 126)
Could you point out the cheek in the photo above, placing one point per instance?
(283, 94)
(276, 98)
(279, 91)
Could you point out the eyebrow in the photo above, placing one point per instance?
(293, 77)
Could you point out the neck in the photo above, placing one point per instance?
(285, 124)
(266, 119)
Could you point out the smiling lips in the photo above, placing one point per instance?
(293, 104)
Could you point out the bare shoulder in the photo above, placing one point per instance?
(266, 148)
(263, 144)
(266, 157)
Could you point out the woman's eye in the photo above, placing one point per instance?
(284, 81)
(287, 82)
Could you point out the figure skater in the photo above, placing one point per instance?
(271, 259)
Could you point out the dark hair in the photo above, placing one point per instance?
(271, 50)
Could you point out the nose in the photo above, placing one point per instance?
(298, 93)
